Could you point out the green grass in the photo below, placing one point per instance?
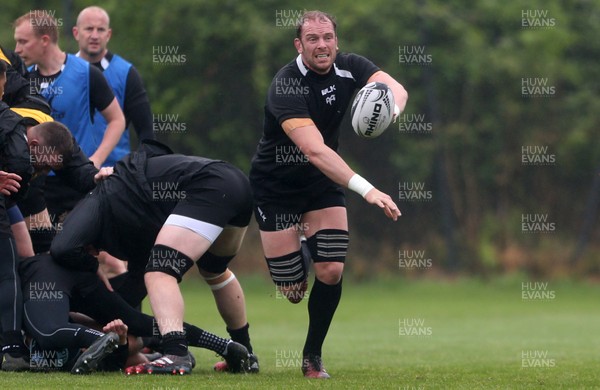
(473, 336)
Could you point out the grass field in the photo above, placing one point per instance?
(397, 334)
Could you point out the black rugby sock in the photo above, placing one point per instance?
(12, 343)
(322, 304)
(241, 336)
(175, 343)
(202, 339)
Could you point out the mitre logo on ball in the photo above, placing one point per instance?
(372, 110)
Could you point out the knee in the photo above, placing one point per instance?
(167, 262)
(60, 249)
(328, 248)
(329, 273)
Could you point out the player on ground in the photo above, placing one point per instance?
(51, 292)
(297, 176)
(162, 212)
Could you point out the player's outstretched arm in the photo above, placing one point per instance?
(400, 94)
(310, 141)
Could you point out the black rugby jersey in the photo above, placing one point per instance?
(278, 166)
(139, 196)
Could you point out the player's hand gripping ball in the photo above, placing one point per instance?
(373, 110)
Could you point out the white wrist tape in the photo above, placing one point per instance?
(359, 185)
(396, 113)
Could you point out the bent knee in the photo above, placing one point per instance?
(329, 272)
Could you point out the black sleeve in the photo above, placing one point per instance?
(78, 171)
(364, 68)
(101, 95)
(81, 228)
(283, 105)
(14, 151)
(137, 106)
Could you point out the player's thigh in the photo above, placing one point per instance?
(229, 241)
(327, 218)
(183, 240)
(280, 243)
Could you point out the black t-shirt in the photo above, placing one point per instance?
(278, 167)
(136, 106)
(101, 95)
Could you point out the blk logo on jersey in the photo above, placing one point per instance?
(328, 90)
(329, 99)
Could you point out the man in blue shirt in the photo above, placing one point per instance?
(93, 33)
(74, 89)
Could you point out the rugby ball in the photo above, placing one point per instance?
(372, 110)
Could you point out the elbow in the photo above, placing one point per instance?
(312, 153)
(75, 258)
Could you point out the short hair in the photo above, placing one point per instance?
(314, 15)
(58, 137)
(42, 22)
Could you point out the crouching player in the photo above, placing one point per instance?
(163, 212)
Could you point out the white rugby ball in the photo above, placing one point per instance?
(372, 110)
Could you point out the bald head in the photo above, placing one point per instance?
(95, 12)
(92, 32)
